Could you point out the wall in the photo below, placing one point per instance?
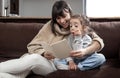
(0, 7)
(42, 8)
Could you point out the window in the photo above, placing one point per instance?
(102, 8)
(14, 7)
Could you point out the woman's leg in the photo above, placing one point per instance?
(91, 62)
(17, 65)
(27, 63)
(7, 75)
(20, 75)
(45, 67)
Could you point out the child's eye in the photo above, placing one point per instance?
(76, 26)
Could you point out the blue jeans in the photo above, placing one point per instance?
(90, 62)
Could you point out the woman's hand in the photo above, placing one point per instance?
(79, 53)
(48, 55)
(72, 65)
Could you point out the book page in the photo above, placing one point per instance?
(60, 49)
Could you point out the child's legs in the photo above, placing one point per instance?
(61, 64)
(91, 62)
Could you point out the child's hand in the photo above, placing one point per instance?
(79, 53)
(72, 65)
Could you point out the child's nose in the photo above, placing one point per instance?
(72, 28)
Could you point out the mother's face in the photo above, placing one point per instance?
(64, 20)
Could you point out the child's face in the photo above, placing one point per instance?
(75, 27)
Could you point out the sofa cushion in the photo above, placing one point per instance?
(72, 74)
(109, 32)
(14, 38)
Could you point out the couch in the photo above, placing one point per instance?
(16, 33)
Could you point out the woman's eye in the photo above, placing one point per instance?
(70, 26)
(64, 16)
(58, 18)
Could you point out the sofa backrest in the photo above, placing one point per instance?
(14, 37)
(109, 31)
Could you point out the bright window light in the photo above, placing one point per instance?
(103, 8)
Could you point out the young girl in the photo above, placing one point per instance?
(80, 38)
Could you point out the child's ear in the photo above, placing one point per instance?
(84, 27)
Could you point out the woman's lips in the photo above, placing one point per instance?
(65, 25)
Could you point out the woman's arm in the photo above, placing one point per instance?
(96, 45)
(35, 46)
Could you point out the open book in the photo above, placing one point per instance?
(60, 49)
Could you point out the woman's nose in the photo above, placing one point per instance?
(62, 20)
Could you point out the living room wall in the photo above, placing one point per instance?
(42, 8)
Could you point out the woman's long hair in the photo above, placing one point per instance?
(58, 10)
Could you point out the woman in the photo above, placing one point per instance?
(38, 60)
(58, 29)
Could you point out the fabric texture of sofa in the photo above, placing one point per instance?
(14, 37)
